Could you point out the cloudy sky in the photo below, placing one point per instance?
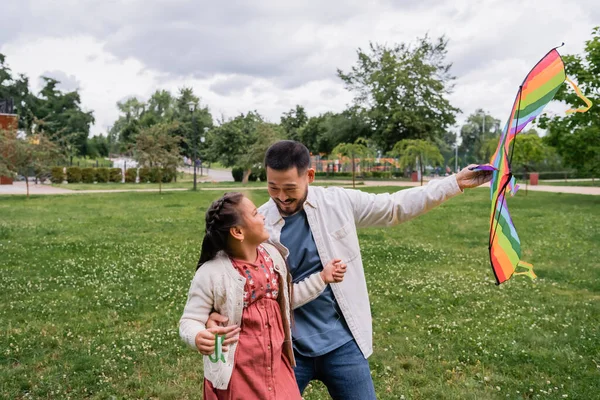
(270, 55)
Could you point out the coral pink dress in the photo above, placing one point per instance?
(261, 369)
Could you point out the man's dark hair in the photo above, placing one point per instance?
(287, 154)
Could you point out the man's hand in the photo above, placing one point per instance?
(334, 271)
(470, 179)
(205, 340)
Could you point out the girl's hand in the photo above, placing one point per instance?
(334, 271)
(205, 340)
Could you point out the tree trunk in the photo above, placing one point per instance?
(353, 173)
(159, 182)
(421, 168)
(27, 184)
(246, 176)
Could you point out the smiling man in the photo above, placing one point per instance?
(333, 334)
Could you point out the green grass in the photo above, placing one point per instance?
(93, 287)
(185, 184)
(123, 186)
(595, 183)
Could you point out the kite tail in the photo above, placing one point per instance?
(528, 270)
(581, 96)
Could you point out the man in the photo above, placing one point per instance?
(333, 333)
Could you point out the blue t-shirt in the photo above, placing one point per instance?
(319, 326)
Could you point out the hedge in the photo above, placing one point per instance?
(144, 173)
(88, 175)
(130, 175)
(57, 175)
(115, 175)
(73, 174)
(102, 175)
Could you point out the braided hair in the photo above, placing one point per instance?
(221, 216)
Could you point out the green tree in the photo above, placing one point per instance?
(230, 141)
(359, 148)
(59, 114)
(404, 90)
(155, 146)
(576, 136)
(475, 133)
(292, 121)
(321, 134)
(17, 89)
(26, 156)
(266, 135)
(419, 152)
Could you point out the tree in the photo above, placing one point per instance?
(59, 114)
(17, 89)
(292, 121)
(475, 133)
(24, 156)
(156, 147)
(230, 141)
(404, 90)
(266, 135)
(359, 149)
(419, 151)
(576, 136)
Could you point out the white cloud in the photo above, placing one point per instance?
(270, 55)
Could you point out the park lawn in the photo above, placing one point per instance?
(93, 287)
(594, 183)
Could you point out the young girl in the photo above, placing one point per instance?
(247, 281)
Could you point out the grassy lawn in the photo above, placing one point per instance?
(185, 184)
(595, 183)
(93, 287)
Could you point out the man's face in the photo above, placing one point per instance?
(289, 189)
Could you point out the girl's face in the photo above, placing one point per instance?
(253, 223)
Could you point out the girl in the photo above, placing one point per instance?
(247, 281)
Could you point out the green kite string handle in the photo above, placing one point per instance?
(218, 356)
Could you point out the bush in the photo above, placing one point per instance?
(144, 173)
(259, 173)
(88, 175)
(57, 175)
(73, 174)
(102, 175)
(115, 175)
(130, 175)
(237, 173)
(168, 175)
(154, 173)
(382, 174)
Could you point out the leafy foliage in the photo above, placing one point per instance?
(403, 89)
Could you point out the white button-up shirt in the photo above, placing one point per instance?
(334, 214)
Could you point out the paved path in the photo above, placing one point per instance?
(18, 188)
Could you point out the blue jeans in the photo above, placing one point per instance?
(344, 371)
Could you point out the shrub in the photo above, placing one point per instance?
(237, 173)
(73, 174)
(115, 175)
(168, 175)
(154, 173)
(130, 175)
(88, 175)
(144, 173)
(259, 173)
(57, 175)
(102, 175)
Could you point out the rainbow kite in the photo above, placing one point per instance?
(537, 90)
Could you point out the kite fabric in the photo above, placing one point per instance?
(537, 90)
